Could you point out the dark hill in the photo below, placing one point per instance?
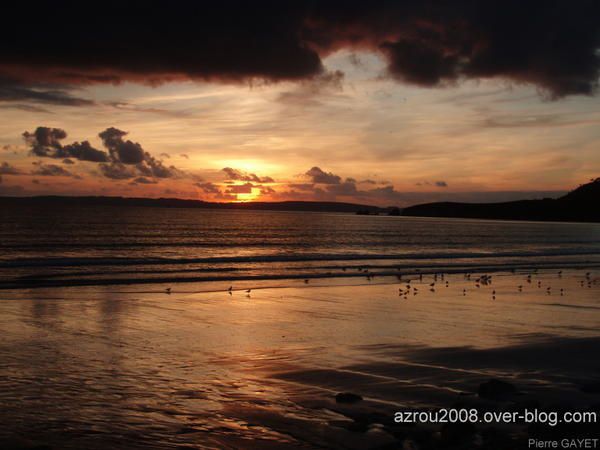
(579, 205)
(60, 201)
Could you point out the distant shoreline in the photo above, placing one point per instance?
(94, 201)
(576, 206)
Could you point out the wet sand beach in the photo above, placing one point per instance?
(143, 367)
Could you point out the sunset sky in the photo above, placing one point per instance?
(382, 105)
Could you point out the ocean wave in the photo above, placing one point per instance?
(232, 277)
(280, 258)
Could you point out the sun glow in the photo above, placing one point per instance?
(252, 196)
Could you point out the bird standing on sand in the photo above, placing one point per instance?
(306, 281)
(248, 291)
(168, 290)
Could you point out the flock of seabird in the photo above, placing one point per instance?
(439, 279)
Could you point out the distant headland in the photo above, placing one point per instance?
(579, 205)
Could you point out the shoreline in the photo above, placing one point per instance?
(372, 276)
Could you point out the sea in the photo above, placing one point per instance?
(84, 246)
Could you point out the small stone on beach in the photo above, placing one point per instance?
(347, 397)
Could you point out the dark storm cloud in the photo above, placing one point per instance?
(126, 152)
(46, 142)
(553, 45)
(235, 174)
(319, 176)
(125, 159)
(84, 152)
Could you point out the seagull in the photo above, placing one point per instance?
(248, 291)
(230, 288)
(168, 290)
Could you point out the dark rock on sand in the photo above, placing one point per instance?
(497, 390)
(347, 397)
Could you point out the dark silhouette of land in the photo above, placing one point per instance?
(579, 205)
(63, 201)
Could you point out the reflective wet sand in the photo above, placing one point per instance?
(106, 367)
